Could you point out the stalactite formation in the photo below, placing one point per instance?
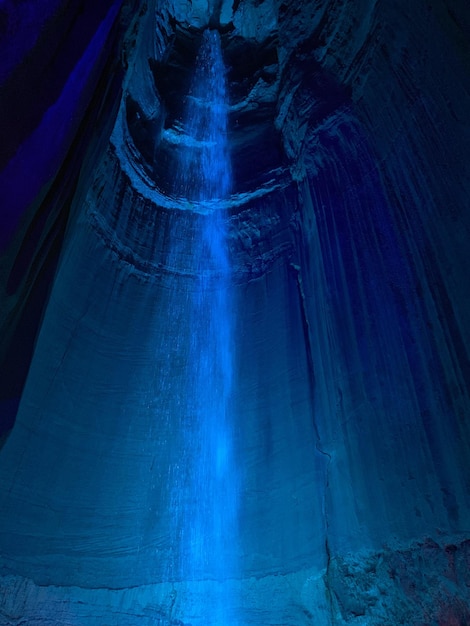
(235, 313)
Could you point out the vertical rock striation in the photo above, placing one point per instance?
(347, 232)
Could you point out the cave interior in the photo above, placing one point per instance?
(235, 313)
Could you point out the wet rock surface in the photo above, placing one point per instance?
(348, 233)
(427, 583)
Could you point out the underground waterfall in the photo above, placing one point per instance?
(204, 484)
(234, 391)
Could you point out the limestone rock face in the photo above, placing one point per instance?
(346, 232)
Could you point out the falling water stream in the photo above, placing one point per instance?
(206, 496)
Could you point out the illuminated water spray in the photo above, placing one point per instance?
(206, 497)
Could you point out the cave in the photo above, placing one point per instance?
(235, 313)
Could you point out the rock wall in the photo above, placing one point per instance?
(347, 231)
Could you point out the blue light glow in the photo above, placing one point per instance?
(205, 489)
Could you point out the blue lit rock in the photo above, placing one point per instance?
(347, 232)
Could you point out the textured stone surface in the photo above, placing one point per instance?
(428, 583)
(348, 230)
